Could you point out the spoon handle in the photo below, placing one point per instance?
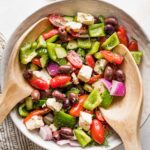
(11, 95)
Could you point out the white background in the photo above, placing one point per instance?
(13, 12)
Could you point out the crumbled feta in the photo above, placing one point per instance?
(75, 26)
(100, 66)
(85, 73)
(74, 78)
(53, 104)
(84, 18)
(34, 123)
(85, 120)
(53, 127)
(43, 74)
(99, 85)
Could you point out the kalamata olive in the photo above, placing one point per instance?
(66, 131)
(111, 20)
(58, 95)
(73, 97)
(45, 94)
(119, 75)
(56, 136)
(66, 104)
(65, 69)
(109, 29)
(108, 73)
(35, 95)
(27, 74)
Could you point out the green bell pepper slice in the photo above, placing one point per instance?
(27, 53)
(106, 99)
(98, 55)
(94, 48)
(41, 42)
(93, 100)
(51, 51)
(22, 110)
(84, 43)
(96, 30)
(82, 137)
(111, 42)
(52, 39)
(137, 55)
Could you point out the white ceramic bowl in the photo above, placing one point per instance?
(70, 7)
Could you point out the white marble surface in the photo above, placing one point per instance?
(12, 12)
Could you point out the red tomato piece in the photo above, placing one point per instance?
(39, 83)
(97, 131)
(99, 116)
(133, 45)
(78, 107)
(60, 81)
(36, 61)
(94, 78)
(123, 38)
(50, 33)
(42, 111)
(57, 20)
(112, 57)
(90, 61)
(122, 30)
(74, 59)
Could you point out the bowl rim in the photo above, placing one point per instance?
(28, 18)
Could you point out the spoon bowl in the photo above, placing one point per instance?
(16, 87)
(125, 112)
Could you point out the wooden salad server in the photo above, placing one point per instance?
(16, 88)
(125, 112)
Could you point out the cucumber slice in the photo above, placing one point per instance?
(34, 45)
(22, 110)
(84, 43)
(52, 39)
(62, 119)
(96, 30)
(73, 90)
(41, 42)
(72, 45)
(111, 42)
(81, 52)
(29, 103)
(60, 52)
(51, 51)
(42, 51)
(62, 61)
(68, 18)
(44, 60)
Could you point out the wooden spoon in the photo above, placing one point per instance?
(124, 114)
(17, 88)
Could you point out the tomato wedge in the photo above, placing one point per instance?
(60, 81)
(99, 116)
(97, 131)
(90, 60)
(57, 20)
(94, 78)
(39, 83)
(122, 30)
(38, 112)
(78, 107)
(74, 59)
(133, 45)
(50, 33)
(112, 57)
(36, 61)
(123, 38)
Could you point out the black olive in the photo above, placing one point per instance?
(119, 75)
(108, 73)
(109, 29)
(27, 74)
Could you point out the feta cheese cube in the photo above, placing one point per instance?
(34, 123)
(85, 120)
(85, 73)
(53, 104)
(84, 18)
(43, 74)
(53, 127)
(99, 85)
(74, 78)
(75, 26)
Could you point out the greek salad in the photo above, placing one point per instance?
(74, 71)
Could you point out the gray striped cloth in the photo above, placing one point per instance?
(10, 137)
